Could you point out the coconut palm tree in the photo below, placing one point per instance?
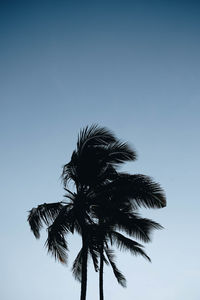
(92, 165)
(101, 198)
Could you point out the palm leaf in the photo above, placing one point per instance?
(44, 213)
(134, 225)
(119, 276)
(119, 152)
(94, 256)
(56, 243)
(93, 136)
(77, 266)
(125, 243)
(141, 190)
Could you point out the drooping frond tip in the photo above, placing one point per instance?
(119, 276)
(56, 242)
(125, 243)
(56, 245)
(44, 213)
(141, 190)
(77, 266)
(134, 225)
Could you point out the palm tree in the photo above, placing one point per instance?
(92, 165)
(93, 170)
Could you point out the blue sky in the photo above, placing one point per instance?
(133, 66)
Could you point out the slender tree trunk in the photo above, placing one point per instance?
(101, 297)
(84, 269)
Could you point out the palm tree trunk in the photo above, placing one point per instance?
(84, 269)
(101, 274)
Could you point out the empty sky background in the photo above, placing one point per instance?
(133, 66)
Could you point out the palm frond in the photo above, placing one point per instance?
(145, 192)
(56, 243)
(94, 255)
(94, 135)
(139, 189)
(134, 225)
(124, 243)
(119, 276)
(44, 213)
(119, 152)
(105, 260)
(77, 266)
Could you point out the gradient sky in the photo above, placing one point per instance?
(133, 66)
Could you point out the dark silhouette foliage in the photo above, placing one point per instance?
(102, 208)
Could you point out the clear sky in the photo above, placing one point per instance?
(133, 66)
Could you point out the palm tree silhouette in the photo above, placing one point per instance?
(88, 209)
(92, 165)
